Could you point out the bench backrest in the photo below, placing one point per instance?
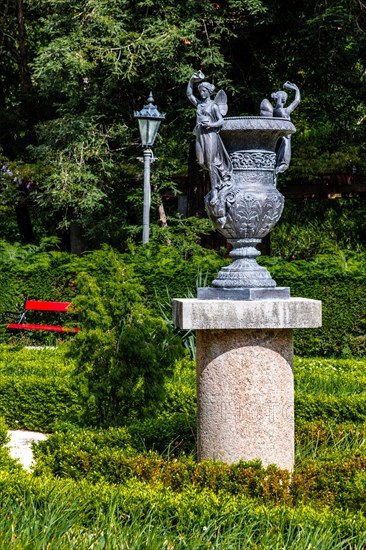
(38, 305)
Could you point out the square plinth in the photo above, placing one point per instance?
(236, 314)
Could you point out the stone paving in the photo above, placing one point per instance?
(20, 446)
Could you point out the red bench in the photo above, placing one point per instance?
(38, 305)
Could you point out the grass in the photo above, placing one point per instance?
(130, 519)
(339, 377)
(326, 439)
(334, 377)
(336, 384)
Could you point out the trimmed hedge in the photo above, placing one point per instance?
(39, 403)
(165, 272)
(337, 481)
(330, 407)
(18, 361)
(339, 282)
(169, 434)
(39, 392)
(344, 317)
(330, 389)
(37, 389)
(6, 462)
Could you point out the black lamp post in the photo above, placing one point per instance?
(149, 120)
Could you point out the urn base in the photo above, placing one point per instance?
(244, 272)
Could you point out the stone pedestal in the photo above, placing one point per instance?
(245, 375)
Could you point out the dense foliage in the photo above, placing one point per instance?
(118, 399)
(124, 352)
(38, 390)
(72, 72)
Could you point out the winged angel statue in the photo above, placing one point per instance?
(210, 151)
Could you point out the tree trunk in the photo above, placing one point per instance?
(25, 79)
(24, 223)
(163, 220)
(76, 238)
(162, 215)
(161, 210)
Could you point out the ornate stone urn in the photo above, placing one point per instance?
(248, 208)
(243, 156)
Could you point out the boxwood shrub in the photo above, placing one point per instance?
(336, 480)
(39, 403)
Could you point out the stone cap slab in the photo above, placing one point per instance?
(191, 313)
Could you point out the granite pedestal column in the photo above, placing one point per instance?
(245, 388)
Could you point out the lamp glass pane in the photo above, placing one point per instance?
(143, 130)
(148, 130)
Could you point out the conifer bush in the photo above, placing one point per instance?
(124, 352)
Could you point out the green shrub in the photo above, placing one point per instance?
(170, 434)
(73, 457)
(38, 390)
(86, 439)
(33, 403)
(4, 437)
(330, 390)
(159, 270)
(338, 480)
(331, 468)
(18, 361)
(180, 389)
(332, 482)
(175, 269)
(330, 407)
(310, 227)
(179, 399)
(84, 453)
(339, 283)
(7, 463)
(123, 352)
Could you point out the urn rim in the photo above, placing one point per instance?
(258, 123)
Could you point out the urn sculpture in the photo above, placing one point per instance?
(243, 156)
(249, 208)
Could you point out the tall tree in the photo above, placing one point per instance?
(100, 61)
